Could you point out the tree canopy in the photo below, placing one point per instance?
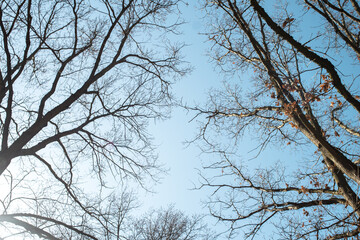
(299, 68)
(79, 81)
(166, 224)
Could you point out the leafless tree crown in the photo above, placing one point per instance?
(79, 81)
(164, 224)
(303, 91)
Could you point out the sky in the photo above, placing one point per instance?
(170, 134)
(185, 161)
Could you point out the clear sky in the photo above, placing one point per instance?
(170, 135)
(185, 161)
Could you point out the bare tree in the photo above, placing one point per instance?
(79, 81)
(303, 59)
(169, 224)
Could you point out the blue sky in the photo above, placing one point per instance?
(185, 161)
(170, 135)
